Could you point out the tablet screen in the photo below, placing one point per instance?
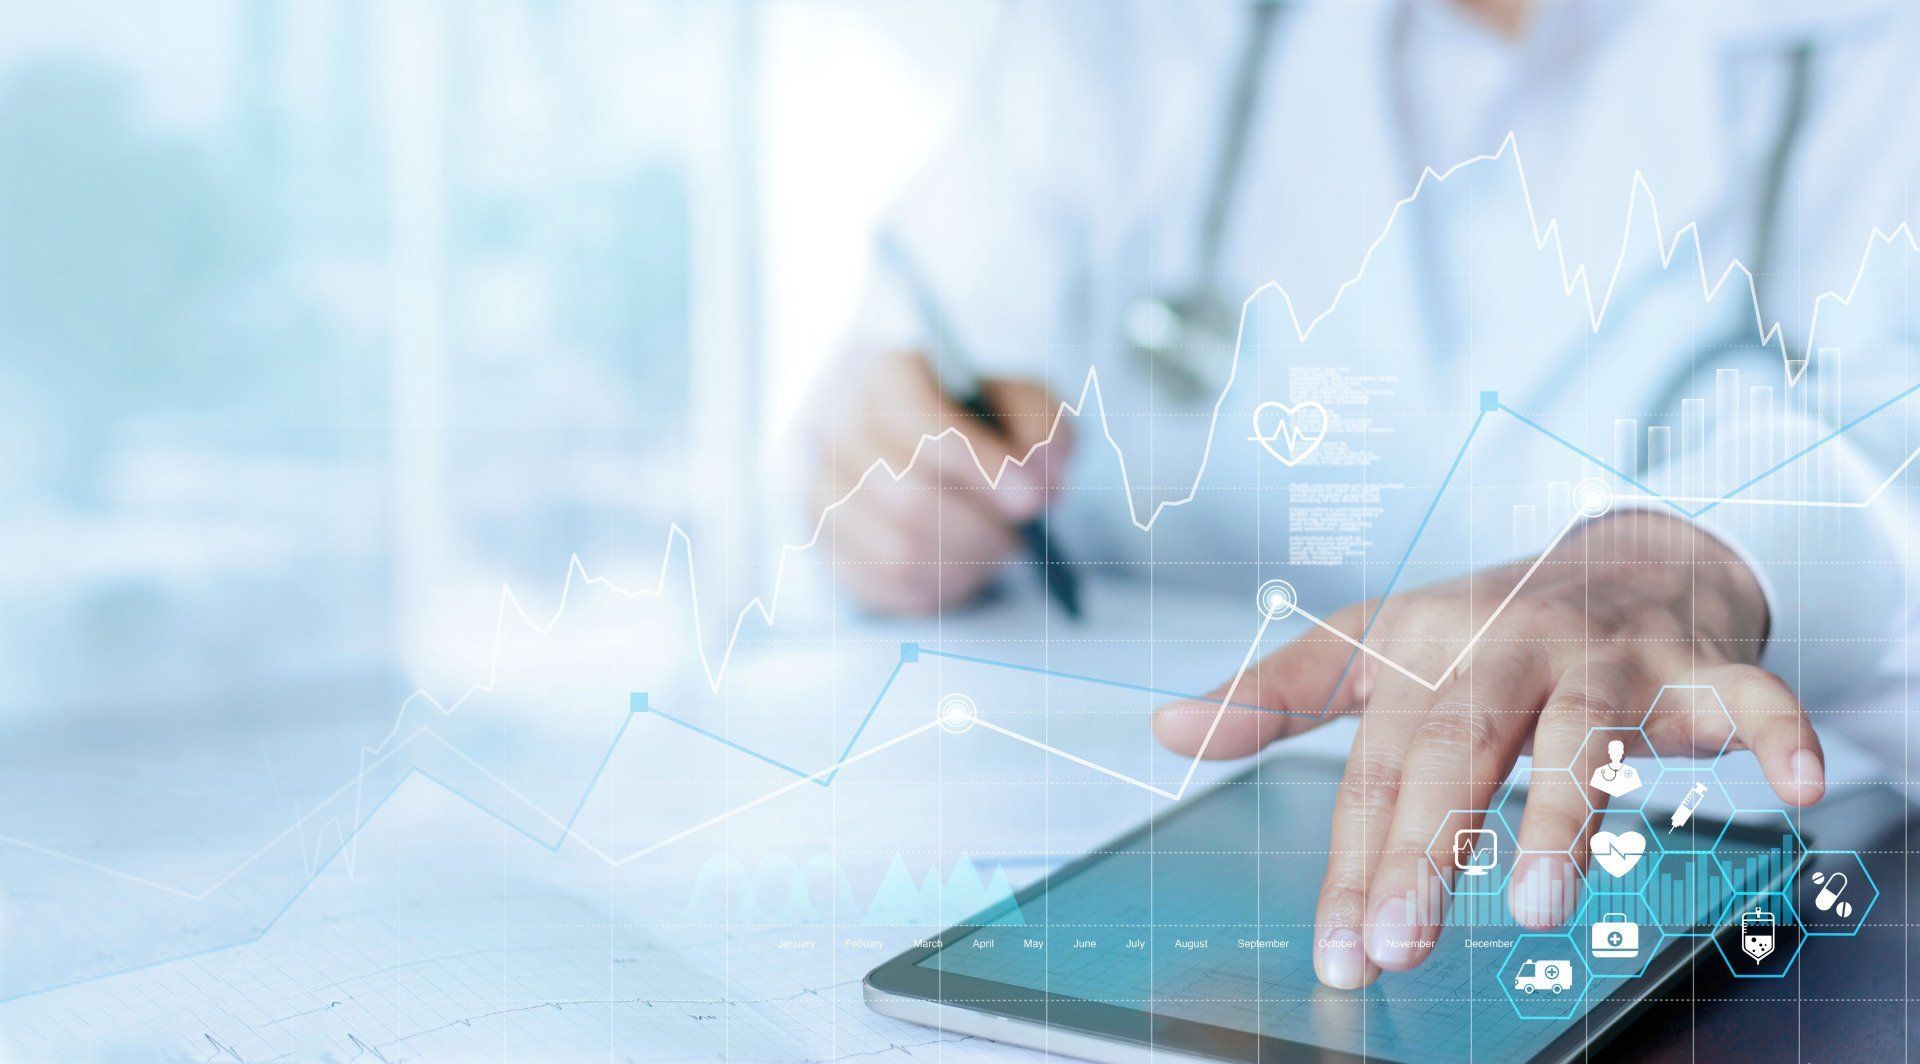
(1208, 916)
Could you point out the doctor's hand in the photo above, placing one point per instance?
(935, 537)
(1623, 605)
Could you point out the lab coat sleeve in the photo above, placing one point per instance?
(1831, 533)
(1811, 493)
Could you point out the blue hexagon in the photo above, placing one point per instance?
(1835, 893)
(1610, 784)
(1490, 848)
(1703, 736)
(1689, 895)
(1613, 866)
(1750, 867)
(1545, 976)
(1777, 924)
(1620, 934)
(1686, 805)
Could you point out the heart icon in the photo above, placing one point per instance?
(1618, 853)
(1298, 429)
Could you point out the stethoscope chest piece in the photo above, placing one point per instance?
(1182, 341)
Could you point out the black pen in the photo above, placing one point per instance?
(962, 385)
(1056, 577)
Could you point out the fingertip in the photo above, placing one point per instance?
(1805, 780)
(1341, 962)
(1188, 727)
(1397, 938)
(1180, 726)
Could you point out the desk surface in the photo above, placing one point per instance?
(457, 925)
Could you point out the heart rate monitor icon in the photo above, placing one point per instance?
(1618, 853)
(1297, 429)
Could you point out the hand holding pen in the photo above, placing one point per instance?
(939, 536)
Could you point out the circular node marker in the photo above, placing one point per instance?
(1276, 599)
(957, 713)
(1592, 497)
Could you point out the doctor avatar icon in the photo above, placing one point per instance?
(1616, 777)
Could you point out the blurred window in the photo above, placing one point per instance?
(308, 309)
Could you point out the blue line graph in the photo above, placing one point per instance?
(912, 652)
(679, 544)
(1103, 682)
(638, 704)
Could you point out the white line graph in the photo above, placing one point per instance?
(778, 791)
(680, 545)
(1065, 755)
(1572, 280)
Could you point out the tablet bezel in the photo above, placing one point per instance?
(904, 977)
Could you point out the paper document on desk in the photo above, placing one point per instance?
(558, 868)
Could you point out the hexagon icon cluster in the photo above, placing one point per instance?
(1674, 854)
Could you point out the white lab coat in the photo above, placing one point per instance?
(1075, 182)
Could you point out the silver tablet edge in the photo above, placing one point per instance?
(1028, 1034)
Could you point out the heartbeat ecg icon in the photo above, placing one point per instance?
(1618, 853)
(1298, 429)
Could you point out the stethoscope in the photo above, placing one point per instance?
(1187, 339)
(1183, 339)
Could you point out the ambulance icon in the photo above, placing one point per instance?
(1555, 976)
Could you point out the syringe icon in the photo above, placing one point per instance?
(1688, 803)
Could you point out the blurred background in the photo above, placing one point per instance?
(321, 319)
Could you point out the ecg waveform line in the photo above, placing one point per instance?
(679, 542)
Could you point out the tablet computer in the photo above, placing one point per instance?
(1191, 938)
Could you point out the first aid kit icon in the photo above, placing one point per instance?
(1616, 936)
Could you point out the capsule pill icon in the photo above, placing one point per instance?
(1828, 900)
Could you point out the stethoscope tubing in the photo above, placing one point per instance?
(1237, 130)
